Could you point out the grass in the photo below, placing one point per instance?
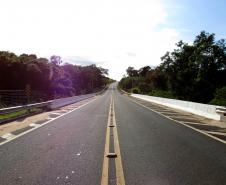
(19, 113)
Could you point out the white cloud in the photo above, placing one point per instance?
(100, 30)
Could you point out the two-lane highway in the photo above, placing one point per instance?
(72, 149)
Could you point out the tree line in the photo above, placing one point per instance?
(193, 72)
(51, 78)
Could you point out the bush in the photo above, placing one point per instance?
(220, 97)
(135, 90)
(144, 87)
(161, 93)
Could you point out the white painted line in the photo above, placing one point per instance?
(34, 125)
(195, 123)
(168, 112)
(180, 119)
(8, 136)
(195, 129)
(56, 113)
(217, 133)
(69, 109)
(72, 107)
(64, 110)
(47, 122)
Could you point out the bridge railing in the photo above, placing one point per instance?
(43, 106)
(28, 107)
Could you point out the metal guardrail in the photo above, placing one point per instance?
(27, 107)
(52, 104)
(29, 110)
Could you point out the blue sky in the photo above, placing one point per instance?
(113, 34)
(190, 17)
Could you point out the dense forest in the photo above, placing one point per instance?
(49, 79)
(193, 72)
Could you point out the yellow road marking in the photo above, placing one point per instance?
(118, 161)
(104, 179)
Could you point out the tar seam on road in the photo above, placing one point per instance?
(197, 130)
(43, 124)
(117, 156)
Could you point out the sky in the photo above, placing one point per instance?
(113, 34)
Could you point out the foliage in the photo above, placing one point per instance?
(191, 72)
(135, 90)
(19, 113)
(220, 97)
(161, 93)
(49, 78)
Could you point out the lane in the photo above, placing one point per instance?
(67, 151)
(156, 150)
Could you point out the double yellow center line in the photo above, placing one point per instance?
(117, 155)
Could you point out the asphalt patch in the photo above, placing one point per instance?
(17, 132)
(111, 147)
(54, 115)
(112, 172)
(41, 121)
(63, 112)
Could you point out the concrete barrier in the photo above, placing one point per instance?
(69, 100)
(205, 110)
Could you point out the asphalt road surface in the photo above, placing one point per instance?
(72, 149)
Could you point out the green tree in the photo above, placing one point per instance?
(49, 78)
(131, 72)
(191, 72)
(220, 97)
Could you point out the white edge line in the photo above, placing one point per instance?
(30, 130)
(56, 113)
(197, 130)
(217, 133)
(34, 125)
(8, 136)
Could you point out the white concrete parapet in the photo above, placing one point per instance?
(205, 110)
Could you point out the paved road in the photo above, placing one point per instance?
(154, 150)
